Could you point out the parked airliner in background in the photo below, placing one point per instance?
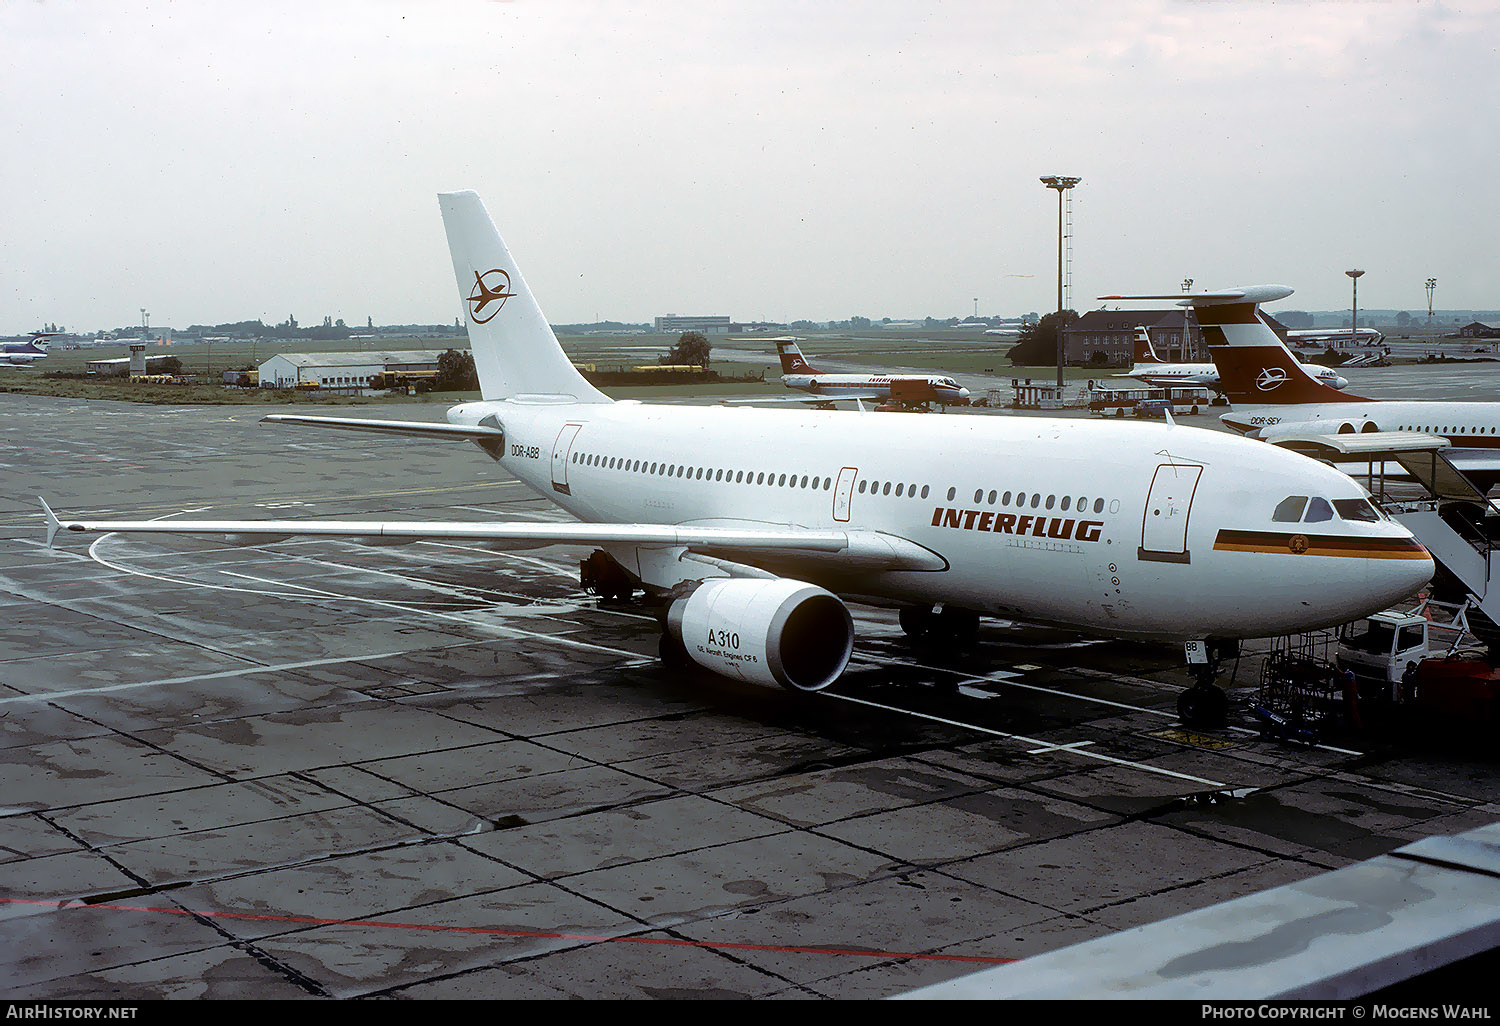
(1334, 337)
(28, 352)
(1156, 372)
(1275, 397)
(754, 527)
(905, 389)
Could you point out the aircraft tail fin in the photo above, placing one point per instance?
(1255, 366)
(792, 360)
(515, 351)
(1144, 351)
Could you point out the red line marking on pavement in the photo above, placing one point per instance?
(497, 932)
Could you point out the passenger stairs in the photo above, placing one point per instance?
(1455, 521)
(1458, 524)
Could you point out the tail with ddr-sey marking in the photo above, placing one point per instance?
(1255, 366)
(515, 351)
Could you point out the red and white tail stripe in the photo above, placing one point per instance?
(1255, 366)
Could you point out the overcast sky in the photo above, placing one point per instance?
(218, 161)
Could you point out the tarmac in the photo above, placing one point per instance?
(314, 768)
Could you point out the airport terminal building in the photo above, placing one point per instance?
(672, 324)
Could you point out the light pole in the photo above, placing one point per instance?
(1187, 286)
(1354, 310)
(1431, 285)
(1062, 183)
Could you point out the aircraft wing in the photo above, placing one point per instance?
(854, 550)
(429, 430)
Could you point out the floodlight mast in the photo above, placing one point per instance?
(1354, 309)
(1431, 285)
(1062, 183)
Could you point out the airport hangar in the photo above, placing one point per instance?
(346, 371)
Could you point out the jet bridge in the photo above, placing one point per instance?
(1453, 518)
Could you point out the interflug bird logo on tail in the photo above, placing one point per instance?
(1270, 378)
(493, 286)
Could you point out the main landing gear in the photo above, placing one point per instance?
(946, 626)
(1205, 705)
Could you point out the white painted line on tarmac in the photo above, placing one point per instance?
(1143, 767)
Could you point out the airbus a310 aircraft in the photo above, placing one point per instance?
(756, 526)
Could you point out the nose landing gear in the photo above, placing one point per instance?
(1205, 705)
(948, 626)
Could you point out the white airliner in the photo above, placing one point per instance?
(28, 352)
(906, 389)
(1154, 371)
(1335, 336)
(756, 526)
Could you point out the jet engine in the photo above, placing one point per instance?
(767, 631)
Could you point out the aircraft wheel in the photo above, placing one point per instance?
(959, 626)
(1203, 705)
(917, 621)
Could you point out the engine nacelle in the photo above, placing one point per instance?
(776, 631)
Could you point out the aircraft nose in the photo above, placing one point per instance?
(963, 393)
(1421, 572)
(1400, 579)
(1340, 382)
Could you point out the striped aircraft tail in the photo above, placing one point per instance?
(792, 360)
(1255, 366)
(1144, 351)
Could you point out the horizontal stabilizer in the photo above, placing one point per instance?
(1248, 294)
(430, 430)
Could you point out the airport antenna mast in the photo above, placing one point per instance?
(1064, 185)
(1431, 285)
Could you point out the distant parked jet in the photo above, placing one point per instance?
(904, 389)
(1151, 369)
(30, 351)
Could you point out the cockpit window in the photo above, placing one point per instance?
(1318, 510)
(1289, 510)
(1357, 510)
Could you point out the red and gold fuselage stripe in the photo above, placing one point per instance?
(1298, 544)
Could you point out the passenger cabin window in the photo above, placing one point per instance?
(1289, 510)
